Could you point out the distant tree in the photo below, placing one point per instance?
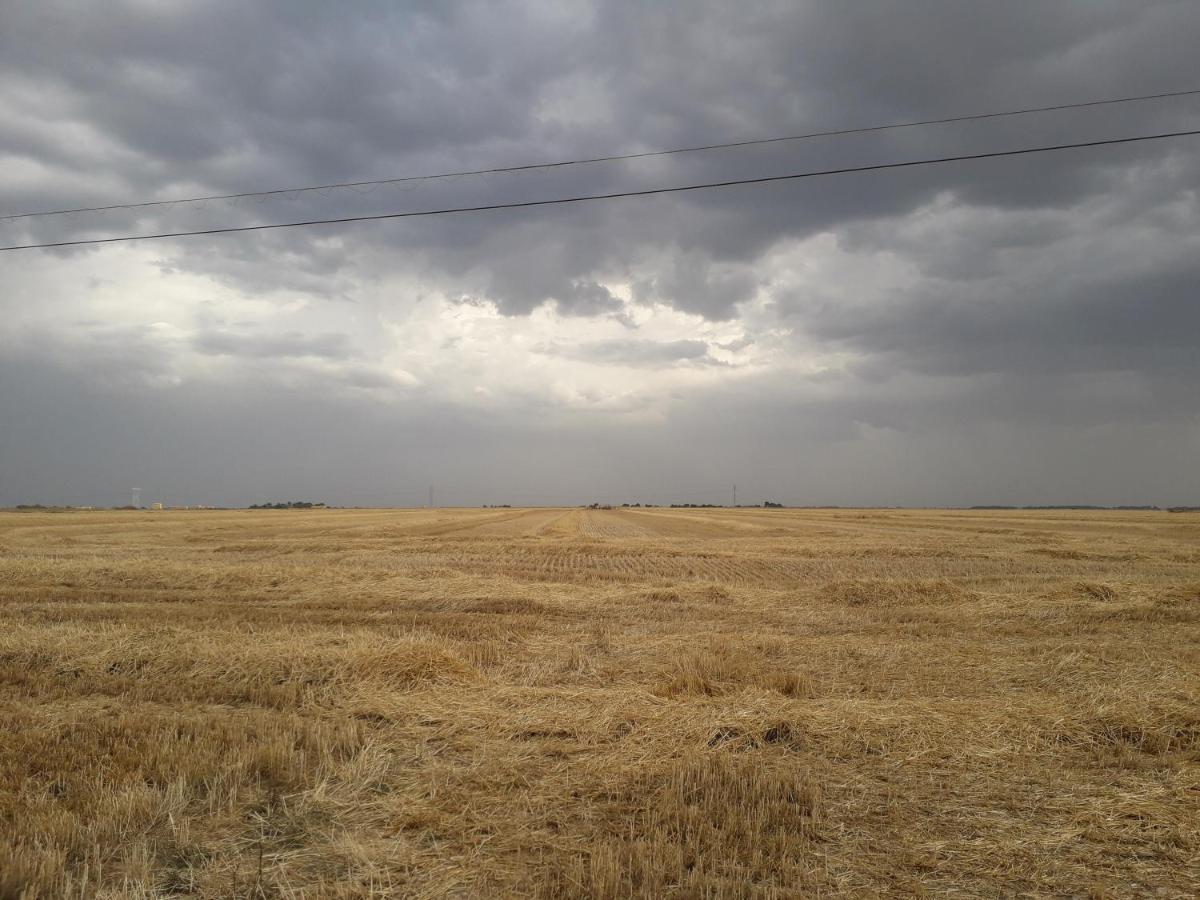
(291, 504)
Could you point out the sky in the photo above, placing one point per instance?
(1013, 331)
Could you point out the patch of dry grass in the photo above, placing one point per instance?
(599, 703)
(897, 592)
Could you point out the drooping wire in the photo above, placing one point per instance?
(555, 201)
(527, 167)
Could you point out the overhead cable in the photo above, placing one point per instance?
(527, 167)
(646, 192)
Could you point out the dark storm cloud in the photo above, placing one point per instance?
(187, 96)
(1141, 323)
(1125, 303)
(1044, 293)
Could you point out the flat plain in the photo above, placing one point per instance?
(599, 703)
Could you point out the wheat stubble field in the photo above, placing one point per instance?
(599, 703)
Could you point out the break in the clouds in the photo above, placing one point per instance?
(1013, 331)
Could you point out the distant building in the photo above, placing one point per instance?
(156, 506)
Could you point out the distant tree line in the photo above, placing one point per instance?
(767, 504)
(1078, 506)
(290, 504)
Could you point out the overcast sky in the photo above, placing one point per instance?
(1017, 331)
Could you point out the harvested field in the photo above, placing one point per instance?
(599, 703)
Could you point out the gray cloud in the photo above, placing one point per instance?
(807, 443)
(887, 316)
(587, 299)
(263, 346)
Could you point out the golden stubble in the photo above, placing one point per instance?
(599, 703)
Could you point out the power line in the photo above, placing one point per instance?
(498, 170)
(525, 204)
